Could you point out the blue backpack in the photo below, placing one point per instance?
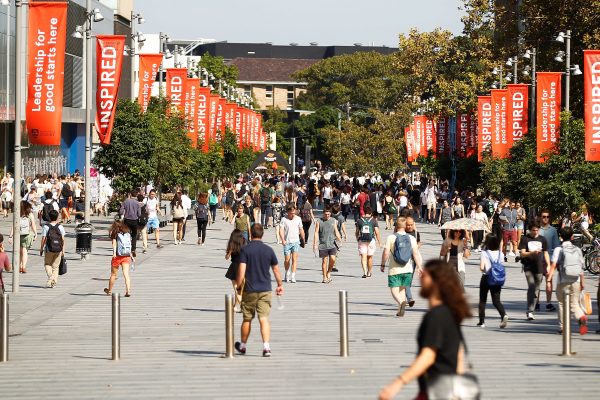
(496, 276)
(402, 249)
(123, 244)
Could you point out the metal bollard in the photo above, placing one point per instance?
(116, 326)
(4, 328)
(228, 326)
(567, 325)
(344, 323)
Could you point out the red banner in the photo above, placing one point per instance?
(484, 125)
(176, 78)
(442, 136)
(221, 114)
(500, 140)
(419, 122)
(408, 140)
(463, 122)
(109, 62)
(46, 64)
(548, 111)
(591, 96)
(191, 109)
(149, 66)
(472, 140)
(213, 110)
(203, 103)
(237, 125)
(244, 126)
(518, 111)
(230, 120)
(430, 137)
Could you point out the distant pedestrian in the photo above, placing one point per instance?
(4, 264)
(202, 217)
(242, 222)
(454, 250)
(307, 217)
(213, 202)
(143, 222)
(534, 253)
(326, 233)
(122, 251)
(551, 234)
(491, 254)
(291, 234)
(153, 208)
(234, 247)
(178, 213)
(130, 212)
(52, 247)
(256, 259)
(411, 229)
(441, 345)
(186, 203)
(367, 236)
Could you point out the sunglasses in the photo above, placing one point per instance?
(545, 216)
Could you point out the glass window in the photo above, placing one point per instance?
(269, 91)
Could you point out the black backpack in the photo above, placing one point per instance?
(46, 210)
(202, 212)
(265, 195)
(143, 218)
(54, 239)
(66, 191)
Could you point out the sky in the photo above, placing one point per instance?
(327, 22)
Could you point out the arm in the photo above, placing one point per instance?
(418, 260)
(114, 247)
(546, 258)
(315, 236)
(482, 264)
(42, 244)
(279, 290)
(337, 232)
(241, 274)
(247, 226)
(424, 360)
(384, 258)
(344, 232)
(280, 234)
(444, 249)
(377, 237)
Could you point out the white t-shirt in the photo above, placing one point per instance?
(487, 263)
(186, 203)
(403, 201)
(345, 198)
(291, 229)
(554, 258)
(151, 205)
(394, 267)
(585, 221)
(481, 217)
(327, 192)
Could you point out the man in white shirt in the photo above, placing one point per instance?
(186, 203)
(431, 193)
(400, 273)
(291, 233)
(153, 209)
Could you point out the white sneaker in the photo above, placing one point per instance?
(504, 321)
(511, 254)
(530, 316)
(293, 280)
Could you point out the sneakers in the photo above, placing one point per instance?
(550, 307)
(481, 324)
(504, 322)
(411, 303)
(266, 352)
(511, 254)
(402, 310)
(530, 316)
(293, 280)
(286, 277)
(239, 348)
(583, 328)
(334, 270)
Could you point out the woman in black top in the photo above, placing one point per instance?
(234, 247)
(440, 340)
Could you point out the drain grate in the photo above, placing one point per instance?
(372, 341)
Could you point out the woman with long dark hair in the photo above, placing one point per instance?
(491, 253)
(454, 250)
(202, 217)
(234, 247)
(178, 217)
(440, 340)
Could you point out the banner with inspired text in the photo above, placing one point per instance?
(191, 108)
(149, 66)
(442, 136)
(518, 111)
(462, 134)
(548, 111)
(500, 140)
(591, 96)
(484, 125)
(176, 86)
(46, 65)
(203, 102)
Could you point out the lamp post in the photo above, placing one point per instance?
(140, 37)
(498, 71)
(513, 62)
(531, 55)
(163, 39)
(565, 37)
(81, 32)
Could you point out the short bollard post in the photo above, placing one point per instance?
(566, 317)
(116, 326)
(4, 328)
(343, 323)
(229, 326)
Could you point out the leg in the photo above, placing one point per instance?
(363, 263)
(532, 294)
(144, 237)
(369, 265)
(324, 262)
(180, 226)
(245, 331)
(126, 276)
(174, 231)
(331, 265)
(23, 261)
(265, 329)
(157, 235)
(294, 262)
(548, 291)
(495, 291)
(183, 228)
(397, 294)
(483, 292)
(113, 278)
(286, 262)
(132, 224)
(204, 225)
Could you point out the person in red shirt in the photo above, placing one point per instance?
(363, 198)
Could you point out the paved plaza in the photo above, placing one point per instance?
(173, 332)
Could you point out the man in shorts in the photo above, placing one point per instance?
(290, 233)
(431, 196)
(367, 232)
(326, 232)
(256, 259)
(153, 212)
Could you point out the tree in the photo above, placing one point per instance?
(216, 66)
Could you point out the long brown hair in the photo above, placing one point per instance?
(446, 279)
(203, 198)
(116, 228)
(236, 242)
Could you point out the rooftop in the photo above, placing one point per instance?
(269, 69)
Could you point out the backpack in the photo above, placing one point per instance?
(66, 191)
(265, 195)
(402, 249)
(366, 230)
(213, 199)
(305, 214)
(202, 212)
(570, 262)
(24, 225)
(46, 210)
(54, 239)
(123, 244)
(143, 218)
(496, 276)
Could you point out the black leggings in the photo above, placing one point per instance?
(477, 238)
(202, 229)
(483, 292)
(306, 226)
(213, 212)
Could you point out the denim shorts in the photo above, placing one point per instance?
(153, 223)
(289, 248)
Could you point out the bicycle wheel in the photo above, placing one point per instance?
(592, 262)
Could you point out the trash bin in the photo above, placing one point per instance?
(83, 238)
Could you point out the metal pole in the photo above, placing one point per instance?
(515, 69)
(160, 70)
(567, 325)
(88, 113)
(568, 77)
(20, 73)
(293, 155)
(229, 326)
(4, 328)
(6, 130)
(344, 323)
(176, 57)
(116, 326)
(533, 89)
(132, 56)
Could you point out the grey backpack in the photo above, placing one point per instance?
(570, 263)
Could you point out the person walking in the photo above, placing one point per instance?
(152, 206)
(202, 217)
(441, 345)
(446, 214)
(52, 247)
(122, 251)
(411, 229)
(458, 210)
(454, 251)
(131, 211)
(307, 217)
(234, 247)
(256, 259)
(508, 222)
(326, 233)
(491, 254)
(479, 215)
(551, 234)
(213, 202)
(266, 198)
(291, 232)
(186, 203)
(178, 213)
(345, 201)
(534, 252)
(367, 236)
(143, 222)
(400, 250)
(27, 234)
(4, 264)
(390, 209)
(431, 194)
(242, 222)
(568, 260)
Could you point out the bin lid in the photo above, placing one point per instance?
(84, 228)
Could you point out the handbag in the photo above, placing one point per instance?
(585, 302)
(178, 213)
(62, 267)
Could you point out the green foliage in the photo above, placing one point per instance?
(216, 66)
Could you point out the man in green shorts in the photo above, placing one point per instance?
(254, 277)
(400, 271)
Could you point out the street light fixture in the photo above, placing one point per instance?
(560, 56)
(97, 16)
(135, 18)
(575, 70)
